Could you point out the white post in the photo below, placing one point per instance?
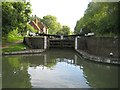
(75, 43)
(39, 31)
(61, 36)
(46, 31)
(45, 42)
(27, 33)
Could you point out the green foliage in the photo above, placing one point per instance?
(15, 15)
(30, 28)
(55, 27)
(65, 30)
(13, 36)
(51, 23)
(100, 18)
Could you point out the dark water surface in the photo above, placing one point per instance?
(56, 68)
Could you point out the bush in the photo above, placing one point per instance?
(30, 28)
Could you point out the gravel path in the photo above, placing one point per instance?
(10, 44)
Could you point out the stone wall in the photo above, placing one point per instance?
(45, 43)
(34, 42)
(100, 46)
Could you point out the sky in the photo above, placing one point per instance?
(67, 12)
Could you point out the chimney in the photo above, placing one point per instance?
(36, 21)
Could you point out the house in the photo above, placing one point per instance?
(36, 24)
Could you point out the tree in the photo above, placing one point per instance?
(53, 26)
(15, 15)
(100, 18)
(66, 30)
(51, 23)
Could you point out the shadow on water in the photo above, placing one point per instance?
(56, 68)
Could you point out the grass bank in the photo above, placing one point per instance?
(15, 47)
(12, 42)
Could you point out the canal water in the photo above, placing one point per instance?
(56, 68)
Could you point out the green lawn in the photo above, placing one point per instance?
(11, 40)
(16, 47)
(12, 43)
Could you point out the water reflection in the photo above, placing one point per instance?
(57, 69)
(0, 71)
(14, 73)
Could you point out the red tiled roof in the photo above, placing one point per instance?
(34, 25)
(37, 25)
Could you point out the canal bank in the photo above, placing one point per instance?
(31, 51)
(96, 49)
(99, 49)
(98, 58)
